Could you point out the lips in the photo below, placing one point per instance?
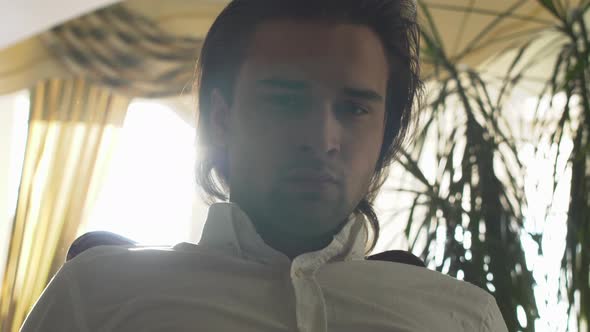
(311, 176)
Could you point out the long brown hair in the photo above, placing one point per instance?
(394, 22)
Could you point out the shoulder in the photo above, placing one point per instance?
(120, 262)
(383, 278)
(109, 263)
(424, 280)
(415, 291)
(110, 254)
(114, 274)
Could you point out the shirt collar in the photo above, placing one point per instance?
(228, 228)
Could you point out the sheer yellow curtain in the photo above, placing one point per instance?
(73, 129)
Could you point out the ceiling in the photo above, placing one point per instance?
(460, 23)
(25, 18)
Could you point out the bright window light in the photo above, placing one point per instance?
(149, 194)
(14, 117)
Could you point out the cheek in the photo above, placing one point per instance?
(253, 148)
(363, 154)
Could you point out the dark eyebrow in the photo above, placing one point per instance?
(284, 84)
(362, 94)
(367, 94)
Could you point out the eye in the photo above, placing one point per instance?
(352, 108)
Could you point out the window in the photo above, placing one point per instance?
(149, 193)
(14, 117)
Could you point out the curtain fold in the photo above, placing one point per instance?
(73, 129)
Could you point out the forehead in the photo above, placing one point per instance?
(326, 53)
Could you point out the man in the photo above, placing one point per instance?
(302, 106)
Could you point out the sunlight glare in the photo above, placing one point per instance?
(148, 195)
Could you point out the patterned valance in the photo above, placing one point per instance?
(126, 52)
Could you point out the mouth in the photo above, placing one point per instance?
(310, 176)
(310, 181)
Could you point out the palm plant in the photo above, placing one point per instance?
(571, 77)
(473, 205)
(466, 219)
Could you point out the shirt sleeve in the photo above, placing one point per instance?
(493, 321)
(59, 307)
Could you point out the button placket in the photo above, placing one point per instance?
(309, 298)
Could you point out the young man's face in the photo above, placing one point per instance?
(309, 99)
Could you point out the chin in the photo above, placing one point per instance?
(311, 212)
(314, 204)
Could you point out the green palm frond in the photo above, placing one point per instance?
(473, 203)
(480, 212)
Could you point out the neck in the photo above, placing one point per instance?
(285, 236)
(293, 245)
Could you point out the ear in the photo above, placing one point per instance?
(219, 118)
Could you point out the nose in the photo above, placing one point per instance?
(320, 131)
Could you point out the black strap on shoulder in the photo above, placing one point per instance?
(97, 238)
(397, 256)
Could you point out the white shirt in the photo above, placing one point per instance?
(233, 281)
